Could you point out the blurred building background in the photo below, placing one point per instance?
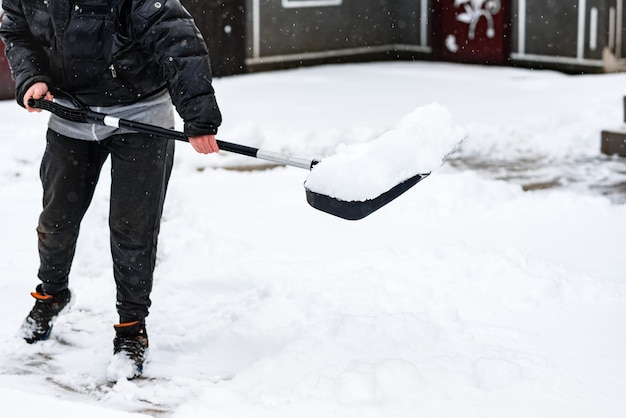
(255, 35)
(567, 35)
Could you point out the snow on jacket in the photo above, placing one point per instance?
(112, 52)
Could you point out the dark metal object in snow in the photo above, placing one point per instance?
(614, 142)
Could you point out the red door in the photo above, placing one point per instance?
(7, 86)
(472, 31)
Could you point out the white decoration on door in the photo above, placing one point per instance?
(474, 10)
(451, 44)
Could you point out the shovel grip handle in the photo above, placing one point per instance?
(67, 113)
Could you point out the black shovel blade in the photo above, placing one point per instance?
(355, 210)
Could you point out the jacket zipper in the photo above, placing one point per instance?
(113, 71)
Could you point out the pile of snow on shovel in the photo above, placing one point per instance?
(418, 144)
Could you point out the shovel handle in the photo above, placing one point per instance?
(86, 115)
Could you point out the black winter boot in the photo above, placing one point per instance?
(38, 324)
(129, 351)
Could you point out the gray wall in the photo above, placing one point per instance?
(572, 32)
(282, 32)
(408, 20)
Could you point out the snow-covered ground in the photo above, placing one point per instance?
(465, 297)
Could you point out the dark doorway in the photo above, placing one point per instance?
(223, 25)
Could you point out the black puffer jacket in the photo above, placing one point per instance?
(111, 52)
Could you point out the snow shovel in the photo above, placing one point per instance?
(346, 209)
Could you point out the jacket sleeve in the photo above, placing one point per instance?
(169, 33)
(27, 64)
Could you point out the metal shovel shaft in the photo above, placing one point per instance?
(89, 116)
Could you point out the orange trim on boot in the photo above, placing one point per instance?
(40, 296)
(126, 324)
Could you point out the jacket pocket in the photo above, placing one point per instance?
(87, 43)
(130, 67)
(89, 31)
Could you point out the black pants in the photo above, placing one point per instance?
(140, 169)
